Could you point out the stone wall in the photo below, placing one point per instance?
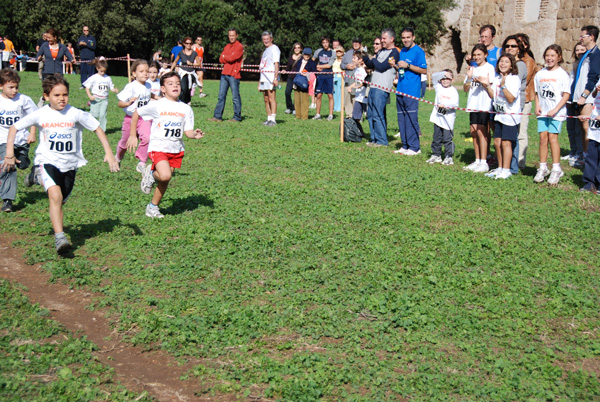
(545, 21)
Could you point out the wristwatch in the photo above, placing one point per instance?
(584, 96)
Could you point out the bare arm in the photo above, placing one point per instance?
(132, 142)
(194, 134)
(108, 155)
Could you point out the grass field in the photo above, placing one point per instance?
(298, 268)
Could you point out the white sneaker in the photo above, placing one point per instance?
(330, 117)
(397, 135)
(400, 151)
(492, 173)
(153, 212)
(555, 176)
(448, 161)
(434, 159)
(472, 166)
(141, 167)
(293, 112)
(287, 111)
(317, 117)
(313, 106)
(410, 152)
(504, 175)
(482, 168)
(540, 175)
(147, 180)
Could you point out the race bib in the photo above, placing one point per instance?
(8, 121)
(442, 111)
(142, 103)
(595, 124)
(172, 129)
(547, 93)
(62, 142)
(499, 107)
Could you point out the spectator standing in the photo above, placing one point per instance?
(529, 97)
(410, 67)
(175, 51)
(296, 56)
(337, 79)
(305, 66)
(383, 75)
(573, 126)
(232, 57)
(324, 57)
(189, 59)
(348, 67)
(39, 44)
(2, 48)
(269, 77)
(199, 49)
(53, 52)
(487, 33)
(87, 53)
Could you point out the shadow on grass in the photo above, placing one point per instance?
(181, 205)
(577, 179)
(113, 130)
(468, 156)
(30, 197)
(81, 233)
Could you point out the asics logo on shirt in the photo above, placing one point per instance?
(57, 136)
(9, 112)
(173, 124)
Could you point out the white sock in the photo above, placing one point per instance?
(479, 161)
(543, 165)
(556, 166)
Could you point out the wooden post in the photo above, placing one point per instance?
(342, 116)
(128, 68)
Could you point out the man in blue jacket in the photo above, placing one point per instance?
(87, 52)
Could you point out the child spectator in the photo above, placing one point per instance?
(479, 100)
(59, 153)
(135, 95)
(97, 88)
(552, 92)
(591, 169)
(359, 105)
(505, 91)
(446, 96)
(170, 119)
(13, 107)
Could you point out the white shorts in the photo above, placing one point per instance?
(265, 86)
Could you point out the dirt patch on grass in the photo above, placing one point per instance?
(155, 372)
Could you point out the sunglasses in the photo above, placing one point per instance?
(512, 46)
(187, 43)
(377, 43)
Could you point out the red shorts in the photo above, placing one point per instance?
(173, 159)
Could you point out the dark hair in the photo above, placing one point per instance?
(558, 51)
(591, 30)
(575, 56)
(390, 31)
(154, 64)
(102, 63)
(358, 54)
(168, 75)
(9, 75)
(137, 63)
(526, 43)
(325, 38)
(408, 29)
(294, 45)
(234, 30)
(52, 81)
(53, 32)
(480, 46)
(520, 45)
(447, 70)
(186, 39)
(514, 70)
(490, 27)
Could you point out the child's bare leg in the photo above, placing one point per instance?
(162, 174)
(543, 146)
(554, 147)
(475, 140)
(319, 99)
(330, 97)
(498, 145)
(56, 212)
(505, 157)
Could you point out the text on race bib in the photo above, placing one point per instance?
(442, 111)
(547, 94)
(142, 103)
(595, 124)
(499, 107)
(103, 87)
(62, 142)
(8, 121)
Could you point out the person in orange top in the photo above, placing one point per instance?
(232, 58)
(198, 48)
(53, 51)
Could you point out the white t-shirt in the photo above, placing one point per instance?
(11, 111)
(169, 122)
(550, 86)
(155, 87)
(137, 90)
(594, 128)
(449, 97)
(270, 56)
(99, 85)
(361, 93)
(501, 104)
(478, 97)
(60, 135)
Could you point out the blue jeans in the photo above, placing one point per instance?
(376, 115)
(408, 122)
(228, 81)
(514, 161)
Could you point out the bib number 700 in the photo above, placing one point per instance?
(173, 132)
(61, 146)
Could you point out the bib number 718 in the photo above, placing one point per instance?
(173, 132)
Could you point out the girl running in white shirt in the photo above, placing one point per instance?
(97, 88)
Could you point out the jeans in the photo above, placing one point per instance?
(574, 131)
(591, 170)
(376, 115)
(228, 81)
(337, 93)
(408, 122)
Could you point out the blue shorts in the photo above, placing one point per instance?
(358, 109)
(324, 84)
(549, 124)
(506, 133)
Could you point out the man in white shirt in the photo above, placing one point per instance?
(269, 76)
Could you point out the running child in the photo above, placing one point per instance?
(443, 117)
(505, 91)
(591, 169)
(479, 100)
(153, 79)
(135, 95)
(59, 154)
(13, 107)
(97, 88)
(552, 91)
(170, 119)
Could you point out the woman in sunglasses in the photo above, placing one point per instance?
(187, 69)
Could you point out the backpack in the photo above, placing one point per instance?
(351, 131)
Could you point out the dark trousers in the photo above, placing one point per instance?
(408, 122)
(591, 170)
(444, 137)
(289, 87)
(187, 82)
(87, 70)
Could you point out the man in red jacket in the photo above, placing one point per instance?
(230, 77)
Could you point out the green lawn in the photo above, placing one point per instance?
(299, 268)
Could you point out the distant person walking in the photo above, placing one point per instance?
(87, 53)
